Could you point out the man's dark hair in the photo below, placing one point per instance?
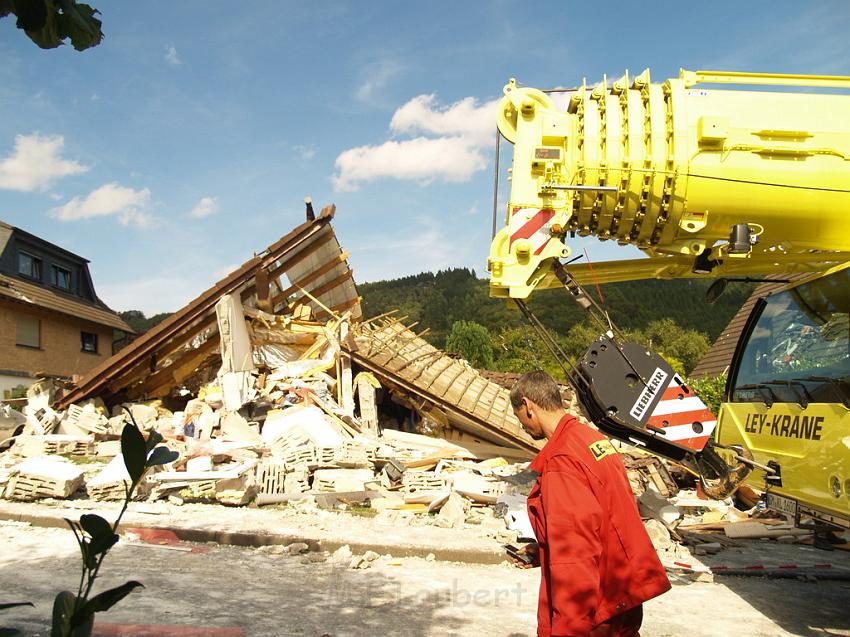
(540, 388)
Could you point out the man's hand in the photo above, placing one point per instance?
(527, 556)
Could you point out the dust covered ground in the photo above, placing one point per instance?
(268, 591)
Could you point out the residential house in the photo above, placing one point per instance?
(51, 321)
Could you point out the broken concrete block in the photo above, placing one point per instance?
(306, 504)
(476, 487)
(342, 554)
(297, 548)
(271, 476)
(235, 427)
(352, 455)
(237, 389)
(506, 536)
(310, 419)
(297, 481)
(40, 420)
(30, 446)
(426, 481)
(144, 415)
(453, 513)
(86, 419)
(291, 439)
(199, 463)
(388, 502)
(109, 483)
(658, 534)
(43, 477)
(117, 422)
(108, 448)
(236, 496)
(653, 505)
(341, 479)
(303, 458)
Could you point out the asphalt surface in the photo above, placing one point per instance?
(210, 590)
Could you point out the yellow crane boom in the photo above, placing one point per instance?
(705, 181)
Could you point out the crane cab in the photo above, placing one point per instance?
(788, 397)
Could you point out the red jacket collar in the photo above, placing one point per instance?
(553, 443)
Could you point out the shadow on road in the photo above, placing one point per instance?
(263, 594)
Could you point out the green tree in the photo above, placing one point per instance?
(49, 23)
(710, 389)
(139, 322)
(472, 341)
(672, 341)
(520, 349)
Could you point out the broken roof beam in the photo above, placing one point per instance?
(307, 280)
(322, 315)
(174, 373)
(113, 372)
(486, 416)
(319, 291)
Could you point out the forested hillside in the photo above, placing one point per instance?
(438, 300)
(454, 305)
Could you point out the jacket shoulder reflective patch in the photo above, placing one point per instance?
(601, 448)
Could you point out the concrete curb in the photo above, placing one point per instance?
(254, 539)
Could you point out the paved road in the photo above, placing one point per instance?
(267, 594)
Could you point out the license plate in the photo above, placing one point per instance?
(782, 504)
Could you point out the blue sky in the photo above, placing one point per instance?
(187, 140)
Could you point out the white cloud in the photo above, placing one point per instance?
(128, 205)
(378, 76)
(306, 153)
(452, 159)
(36, 162)
(204, 208)
(473, 209)
(461, 132)
(466, 118)
(171, 55)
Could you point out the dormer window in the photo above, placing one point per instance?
(60, 278)
(29, 266)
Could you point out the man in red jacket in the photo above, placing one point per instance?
(597, 563)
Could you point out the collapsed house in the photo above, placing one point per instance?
(270, 383)
(273, 388)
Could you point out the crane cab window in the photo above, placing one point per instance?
(799, 347)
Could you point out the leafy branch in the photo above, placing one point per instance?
(73, 615)
(49, 23)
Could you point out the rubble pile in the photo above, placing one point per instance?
(270, 427)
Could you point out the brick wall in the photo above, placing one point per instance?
(60, 352)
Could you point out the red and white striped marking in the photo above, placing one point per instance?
(678, 411)
(533, 224)
(712, 568)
